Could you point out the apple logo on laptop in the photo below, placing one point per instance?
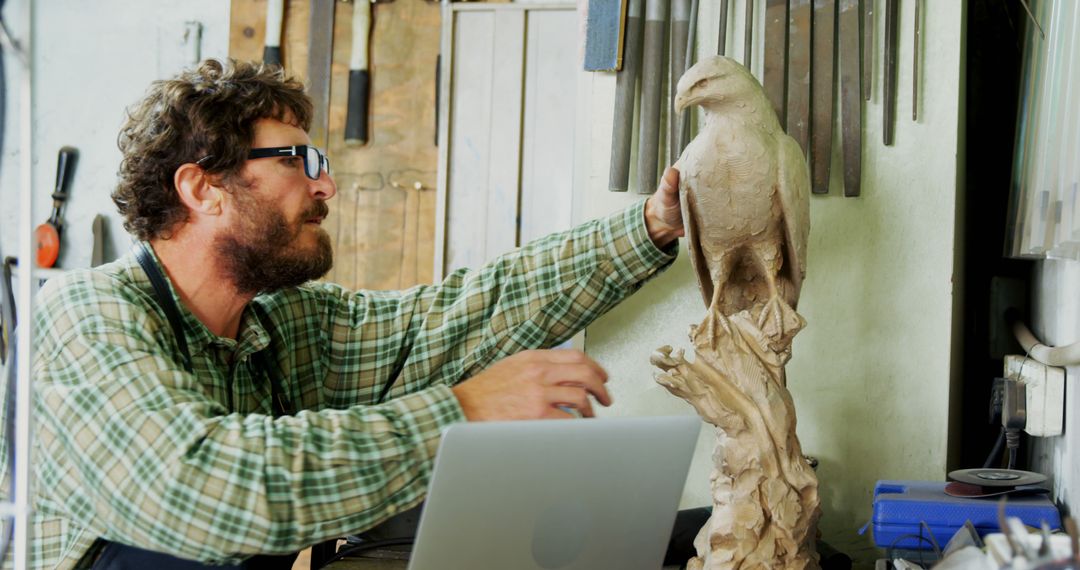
(560, 534)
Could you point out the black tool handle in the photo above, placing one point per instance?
(65, 167)
(275, 15)
(272, 55)
(356, 119)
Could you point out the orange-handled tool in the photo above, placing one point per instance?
(48, 234)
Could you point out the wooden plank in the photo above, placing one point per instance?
(504, 165)
(547, 178)
(470, 144)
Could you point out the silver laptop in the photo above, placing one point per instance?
(577, 494)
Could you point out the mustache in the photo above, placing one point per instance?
(318, 210)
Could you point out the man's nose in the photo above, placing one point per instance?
(324, 188)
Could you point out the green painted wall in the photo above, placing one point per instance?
(871, 373)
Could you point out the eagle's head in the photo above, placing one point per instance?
(716, 82)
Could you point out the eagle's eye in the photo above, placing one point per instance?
(700, 83)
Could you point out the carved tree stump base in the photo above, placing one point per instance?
(765, 500)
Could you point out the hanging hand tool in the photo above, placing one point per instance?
(748, 36)
(680, 30)
(867, 47)
(275, 12)
(822, 92)
(798, 76)
(721, 38)
(97, 229)
(915, 61)
(776, 25)
(652, 80)
(320, 56)
(7, 311)
(625, 93)
(48, 234)
(850, 96)
(691, 50)
(892, 29)
(356, 117)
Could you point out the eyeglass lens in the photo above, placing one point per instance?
(315, 163)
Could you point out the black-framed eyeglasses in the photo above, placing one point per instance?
(314, 160)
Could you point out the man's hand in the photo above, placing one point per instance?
(532, 384)
(663, 216)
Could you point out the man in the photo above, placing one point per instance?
(238, 409)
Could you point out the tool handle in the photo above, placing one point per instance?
(275, 10)
(356, 117)
(65, 167)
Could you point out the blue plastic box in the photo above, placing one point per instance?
(900, 507)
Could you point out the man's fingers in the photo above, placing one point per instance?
(579, 375)
(573, 397)
(598, 391)
(670, 181)
(572, 357)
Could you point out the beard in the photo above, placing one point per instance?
(262, 254)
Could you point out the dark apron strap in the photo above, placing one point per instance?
(122, 557)
(117, 556)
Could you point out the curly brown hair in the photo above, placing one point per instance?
(209, 111)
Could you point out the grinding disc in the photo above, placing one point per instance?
(997, 477)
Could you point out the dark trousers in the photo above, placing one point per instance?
(122, 557)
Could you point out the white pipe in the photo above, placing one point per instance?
(1068, 355)
(21, 544)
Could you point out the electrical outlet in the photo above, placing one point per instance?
(1045, 394)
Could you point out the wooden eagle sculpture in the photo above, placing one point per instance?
(744, 188)
(744, 192)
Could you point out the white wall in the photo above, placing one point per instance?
(91, 60)
(871, 373)
(1056, 310)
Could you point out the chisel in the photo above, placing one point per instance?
(776, 25)
(652, 81)
(320, 54)
(748, 36)
(622, 131)
(915, 61)
(356, 116)
(680, 29)
(892, 25)
(850, 96)
(691, 50)
(867, 47)
(822, 90)
(798, 76)
(721, 39)
(275, 10)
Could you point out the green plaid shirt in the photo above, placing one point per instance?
(131, 448)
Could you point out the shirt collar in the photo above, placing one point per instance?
(251, 337)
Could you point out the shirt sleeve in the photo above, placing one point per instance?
(132, 449)
(537, 296)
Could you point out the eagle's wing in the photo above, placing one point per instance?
(794, 186)
(688, 204)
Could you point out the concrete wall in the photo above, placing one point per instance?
(91, 60)
(1056, 315)
(871, 373)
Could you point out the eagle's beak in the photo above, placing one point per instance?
(682, 101)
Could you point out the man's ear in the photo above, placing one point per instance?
(197, 190)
